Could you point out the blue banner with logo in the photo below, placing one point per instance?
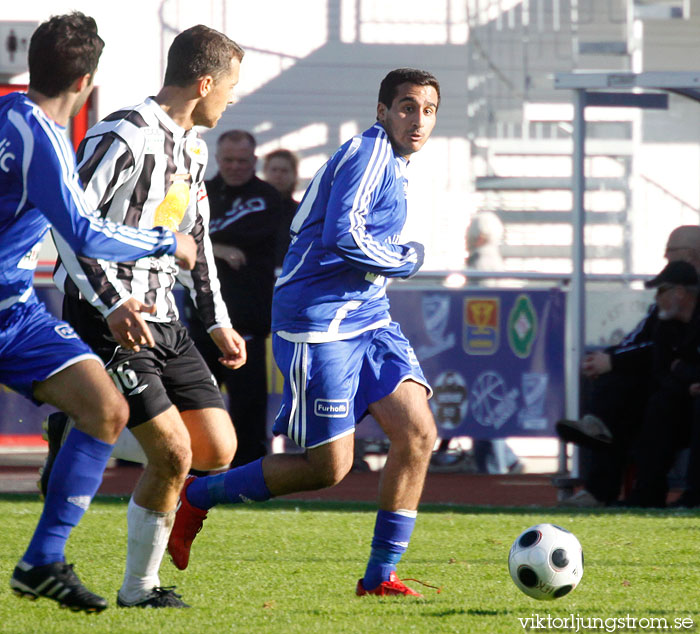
(494, 357)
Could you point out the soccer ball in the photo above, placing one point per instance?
(546, 562)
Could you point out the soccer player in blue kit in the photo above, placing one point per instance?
(41, 357)
(339, 351)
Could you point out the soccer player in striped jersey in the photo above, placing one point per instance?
(339, 351)
(41, 357)
(144, 166)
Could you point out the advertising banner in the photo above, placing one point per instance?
(494, 357)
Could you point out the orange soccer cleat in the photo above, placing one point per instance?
(188, 522)
(388, 588)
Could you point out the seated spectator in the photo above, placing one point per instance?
(484, 239)
(690, 498)
(667, 424)
(619, 382)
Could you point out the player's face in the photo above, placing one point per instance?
(236, 161)
(411, 118)
(280, 174)
(209, 108)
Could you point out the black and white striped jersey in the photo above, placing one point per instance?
(140, 168)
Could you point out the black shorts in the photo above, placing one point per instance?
(153, 379)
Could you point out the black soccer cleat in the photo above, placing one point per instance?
(159, 598)
(56, 428)
(56, 581)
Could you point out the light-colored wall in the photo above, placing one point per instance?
(312, 69)
(309, 81)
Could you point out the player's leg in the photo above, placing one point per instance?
(212, 437)
(87, 393)
(177, 380)
(44, 360)
(257, 481)
(151, 511)
(190, 387)
(405, 417)
(317, 414)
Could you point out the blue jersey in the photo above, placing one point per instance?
(345, 243)
(39, 188)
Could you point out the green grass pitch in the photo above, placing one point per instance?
(292, 567)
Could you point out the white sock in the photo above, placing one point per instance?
(128, 448)
(148, 537)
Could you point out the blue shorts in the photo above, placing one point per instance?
(34, 345)
(328, 387)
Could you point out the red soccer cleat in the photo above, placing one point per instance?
(188, 522)
(388, 588)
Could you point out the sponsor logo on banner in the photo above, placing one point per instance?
(522, 326)
(481, 331)
(331, 408)
(450, 399)
(436, 313)
(534, 391)
(65, 331)
(492, 404)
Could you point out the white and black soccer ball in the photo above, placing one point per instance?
(546, 562)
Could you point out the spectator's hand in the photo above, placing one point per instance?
(596, 363)
(129, 327)
(186, 252)
(233, 256)
(694, 389)
(232, 347)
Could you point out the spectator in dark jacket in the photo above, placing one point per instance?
(280, 169)
(245, 216)
(620, 380)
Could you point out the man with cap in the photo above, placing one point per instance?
(619, 382)
(675, 366)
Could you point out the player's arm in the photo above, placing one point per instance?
(347, 228)
(53, 186)
(202, 281)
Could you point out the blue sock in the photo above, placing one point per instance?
(392, 532)
(242, 484)
(75, 477)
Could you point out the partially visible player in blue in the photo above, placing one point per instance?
(341, 354)
(41, 357)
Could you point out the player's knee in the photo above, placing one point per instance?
(214, 456)
(105, 418)
(331, 473)
(420, 436)
(428, 434)
(172, 462)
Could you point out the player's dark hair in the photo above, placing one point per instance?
(61, 50)
(286, 155)
(197, 52)
(389, 86)
(236, 136)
